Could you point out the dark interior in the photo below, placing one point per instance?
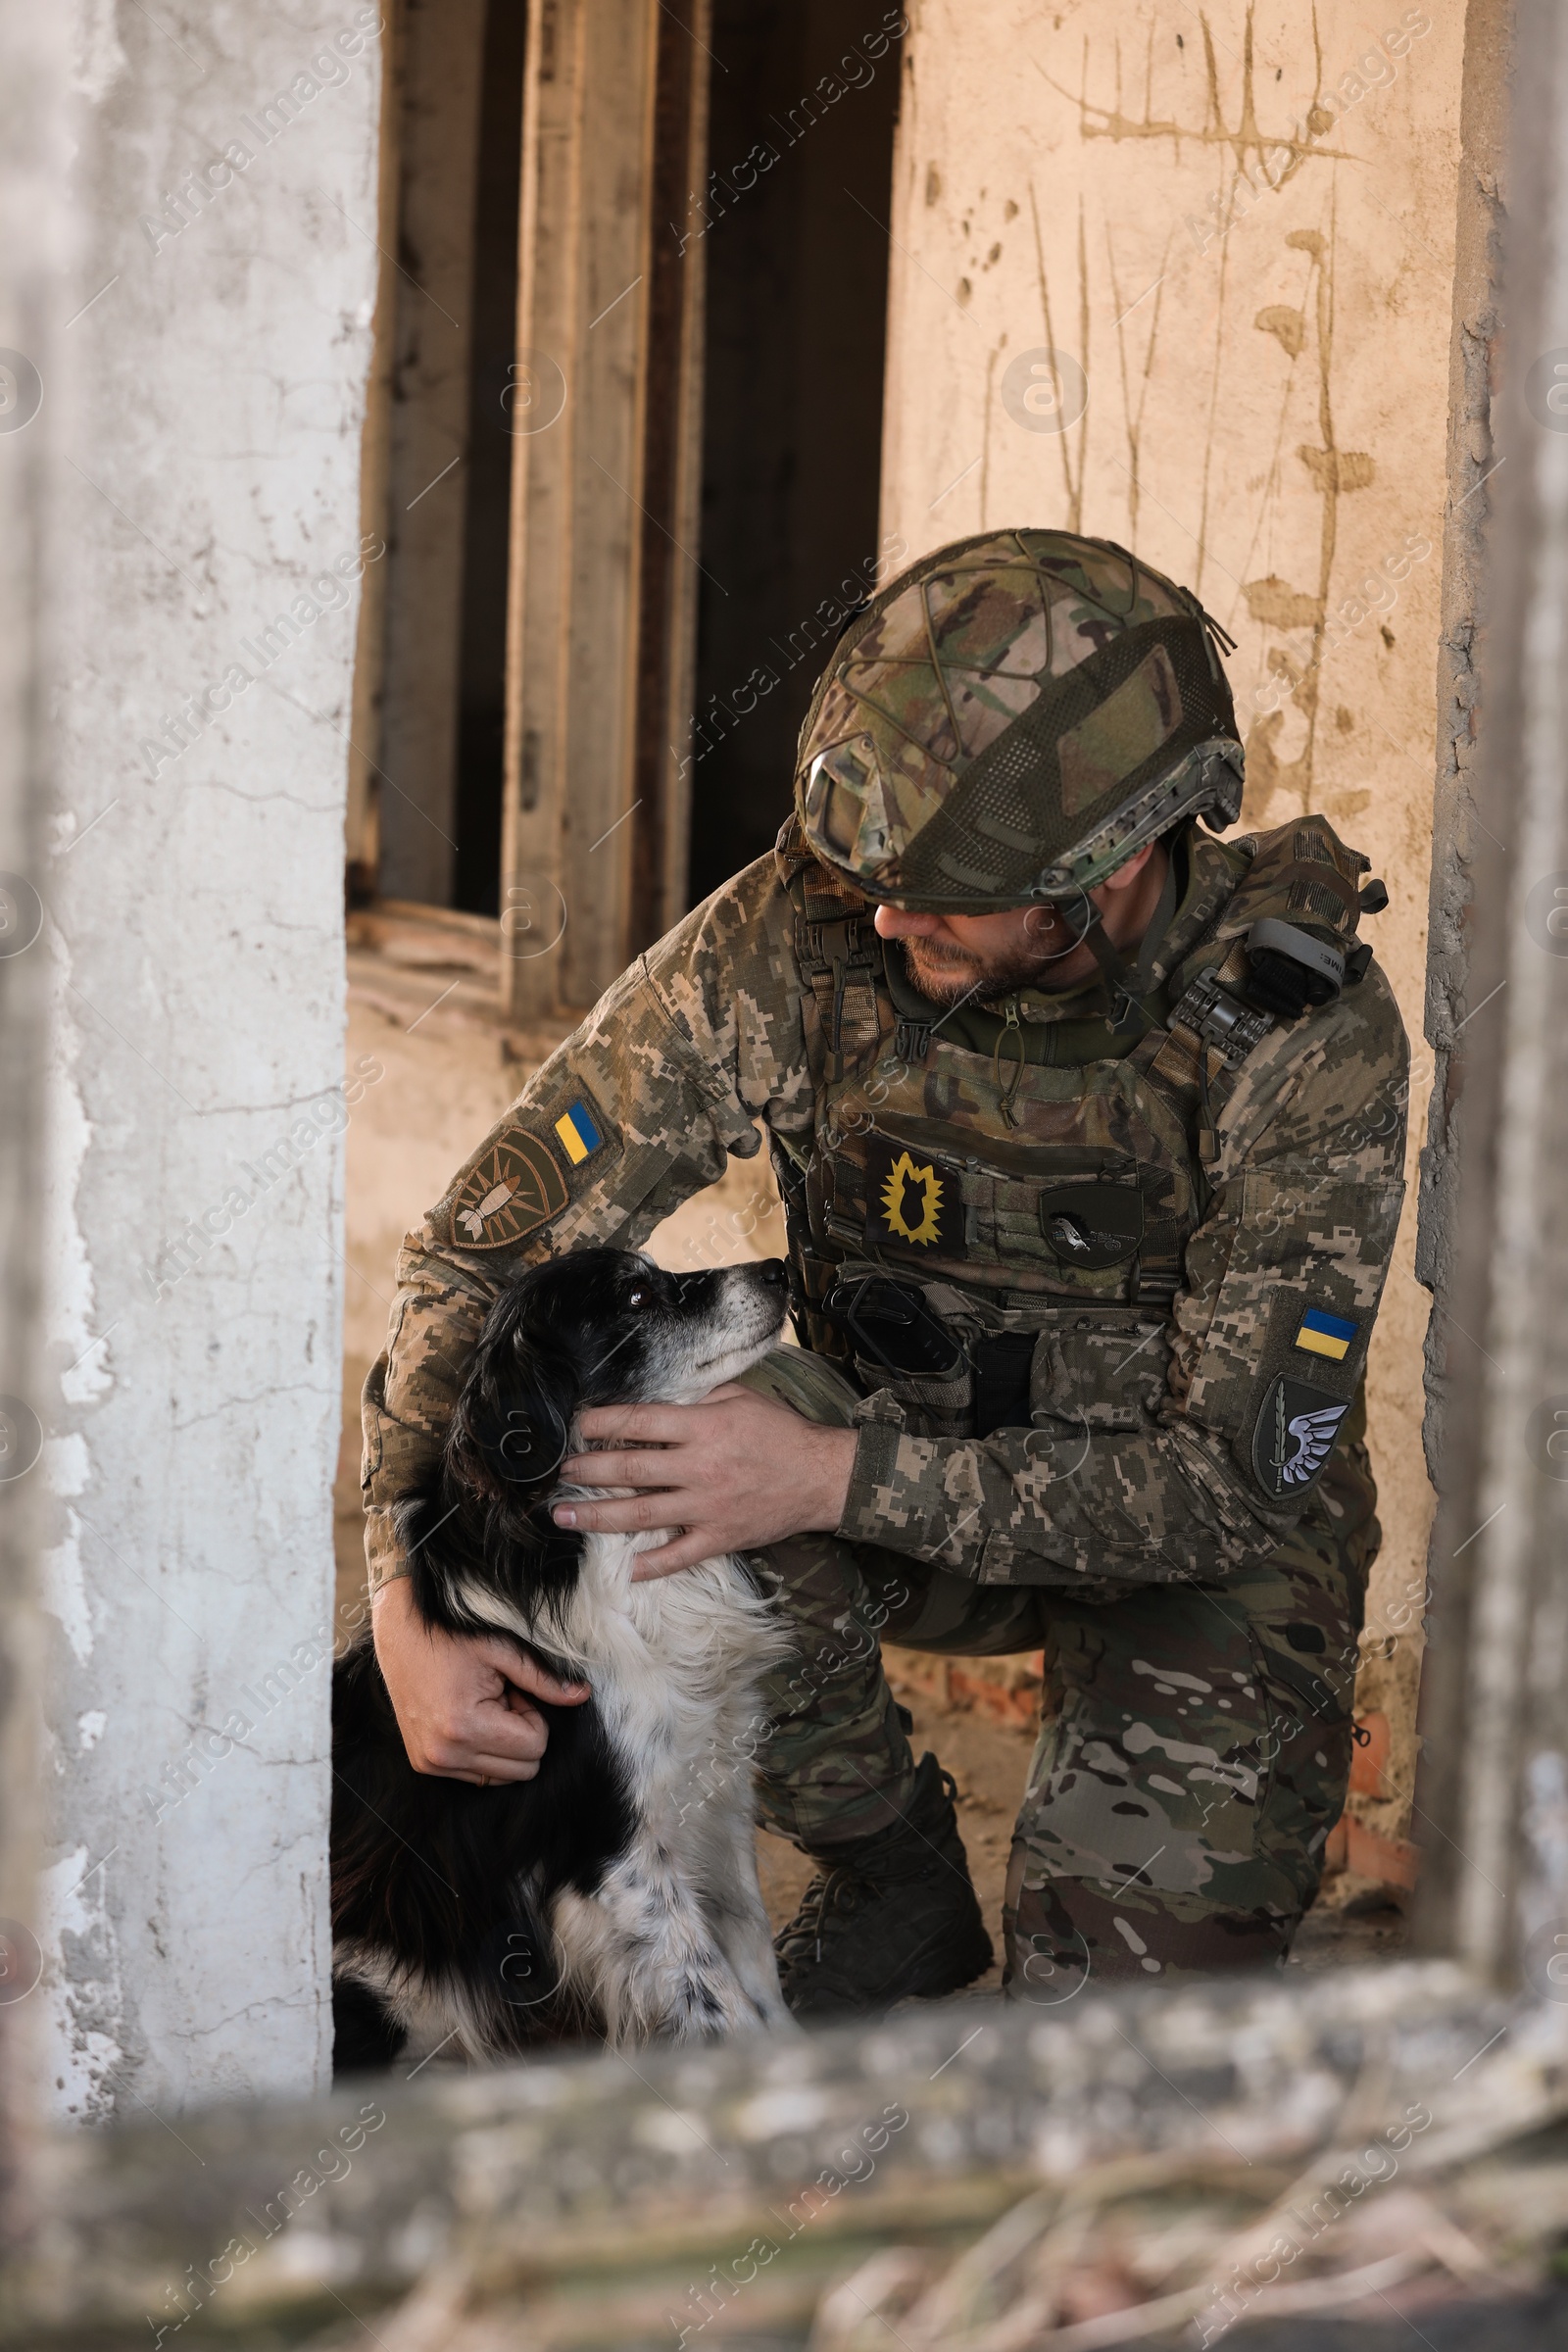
(792, 446)
(493, 311)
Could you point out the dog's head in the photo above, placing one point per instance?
(605, 1327)
(593, 1327)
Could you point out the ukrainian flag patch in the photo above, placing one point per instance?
(579, 1136)
(1321, 1334)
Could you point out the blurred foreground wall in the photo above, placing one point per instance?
(215, 324)
(1209, 283)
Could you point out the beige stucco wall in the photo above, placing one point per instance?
(1238, 226)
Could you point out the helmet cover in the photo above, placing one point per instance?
(1010, 719)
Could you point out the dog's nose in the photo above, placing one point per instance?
(774, 1272)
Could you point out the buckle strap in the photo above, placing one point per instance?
(846, 939)
(830, 954)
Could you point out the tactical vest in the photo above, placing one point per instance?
(992, 1238)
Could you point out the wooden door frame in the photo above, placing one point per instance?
(605, 484)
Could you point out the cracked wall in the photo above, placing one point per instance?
(1185, 277)
(220, 331)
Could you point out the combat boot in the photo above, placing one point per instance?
(892, 1914)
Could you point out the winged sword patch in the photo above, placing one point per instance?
(1295, 1436)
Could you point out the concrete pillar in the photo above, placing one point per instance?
(1190, 280)
(220, 318)
(1495, 1711)
(35, 249)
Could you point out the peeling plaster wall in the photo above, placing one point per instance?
(1239, 226)
(196, 942)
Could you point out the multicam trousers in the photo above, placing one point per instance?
(1194, 1740)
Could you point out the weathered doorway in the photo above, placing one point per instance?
(628, 455)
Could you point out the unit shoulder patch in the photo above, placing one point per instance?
(913, 1202)
(510, 1191)
(1295, 1436)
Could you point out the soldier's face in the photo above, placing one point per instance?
(952, 956)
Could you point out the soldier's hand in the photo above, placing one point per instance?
(461, 1701)
(730, 1474)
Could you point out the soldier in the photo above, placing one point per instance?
(1089, 1128)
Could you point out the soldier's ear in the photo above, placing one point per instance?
(1129, 871)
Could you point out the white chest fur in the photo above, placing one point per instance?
(675, 1944)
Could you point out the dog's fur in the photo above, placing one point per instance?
(617, 1892)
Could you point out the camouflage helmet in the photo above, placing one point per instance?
(1010, 719)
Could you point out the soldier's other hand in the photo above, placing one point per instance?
(461, 1700)
(731, 1474)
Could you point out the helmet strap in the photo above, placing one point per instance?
(1129, 985)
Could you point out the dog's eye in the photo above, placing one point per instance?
(637, 1298)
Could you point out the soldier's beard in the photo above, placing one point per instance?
(948, 974)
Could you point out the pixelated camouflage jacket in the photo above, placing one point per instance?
(1176, 1433)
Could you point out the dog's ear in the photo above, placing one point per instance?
(512, 1429)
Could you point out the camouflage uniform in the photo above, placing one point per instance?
(1161, 1260)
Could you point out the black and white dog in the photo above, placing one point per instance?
(617, 1892)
